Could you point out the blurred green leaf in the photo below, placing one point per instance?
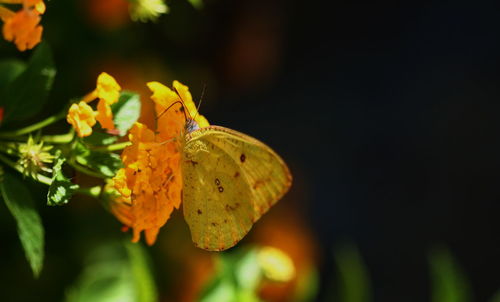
(126, 111)
(237, 278)
(61, 189)
(9, 70)
(307, 285)
(100, 138)
(354, 281)
(449, 284)
(105, 163)
(25, 96)
(220, 290)
(198, 4)
(496, 297)
(247, 270)
(141, 272)
(115, 272)
(29, 225)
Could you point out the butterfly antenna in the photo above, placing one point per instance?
(183, 105)
(176, 102)
(201, 99)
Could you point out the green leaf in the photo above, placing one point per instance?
(100, 138)
(354, 281)
(126, 111)
(115, 272)
(29, 225)
(198, 4)
(449, 283)
(141, 272)
(61, 188)
(105, 163)
(9, 70)
(25, 96)
(247, 270)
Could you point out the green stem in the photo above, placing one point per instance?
(113, 147)
(90, 191)
(85, 170)
(50, 120)
(39, 177)
(59, 139)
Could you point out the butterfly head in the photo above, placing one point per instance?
(191, 125)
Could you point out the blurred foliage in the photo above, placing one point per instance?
(449, 283)
(241, 273)
(118, 271)
(26, 89)
(353, 276)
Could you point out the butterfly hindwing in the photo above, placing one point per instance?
(230, 180)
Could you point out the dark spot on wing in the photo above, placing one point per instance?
(225, 220)
(194, 163)
(237, 174)
(242, 158)
(217, 181)
(232, 208)
(221, 189)
(214, 224)
(199, 212)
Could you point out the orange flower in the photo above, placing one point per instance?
(151, 182)
(108, 93)
(22, 27)
(148, 185)
(82, 118)
(105, 115)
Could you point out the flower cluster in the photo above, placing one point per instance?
(150, 185)
(22, 27)
(82, 117)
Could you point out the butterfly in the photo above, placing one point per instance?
(229, 178)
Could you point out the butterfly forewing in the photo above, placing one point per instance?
(230, 180)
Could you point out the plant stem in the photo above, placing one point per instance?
(39, 177)
(60, 138)
(50, 120)
(85, 170)
(90, 191)
(113, 147)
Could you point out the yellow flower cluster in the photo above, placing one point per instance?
(150, 185)
(82, 117)
(22, 27)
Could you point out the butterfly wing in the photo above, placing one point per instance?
(230, 180)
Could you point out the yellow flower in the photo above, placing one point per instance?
(107, 88)
(108, 92)
(82, 118)
(171, 122)
(151, 182)
(147, 10)
(22, 27)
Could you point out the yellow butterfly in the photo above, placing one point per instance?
(230, 180)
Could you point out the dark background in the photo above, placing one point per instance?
(386, 112)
